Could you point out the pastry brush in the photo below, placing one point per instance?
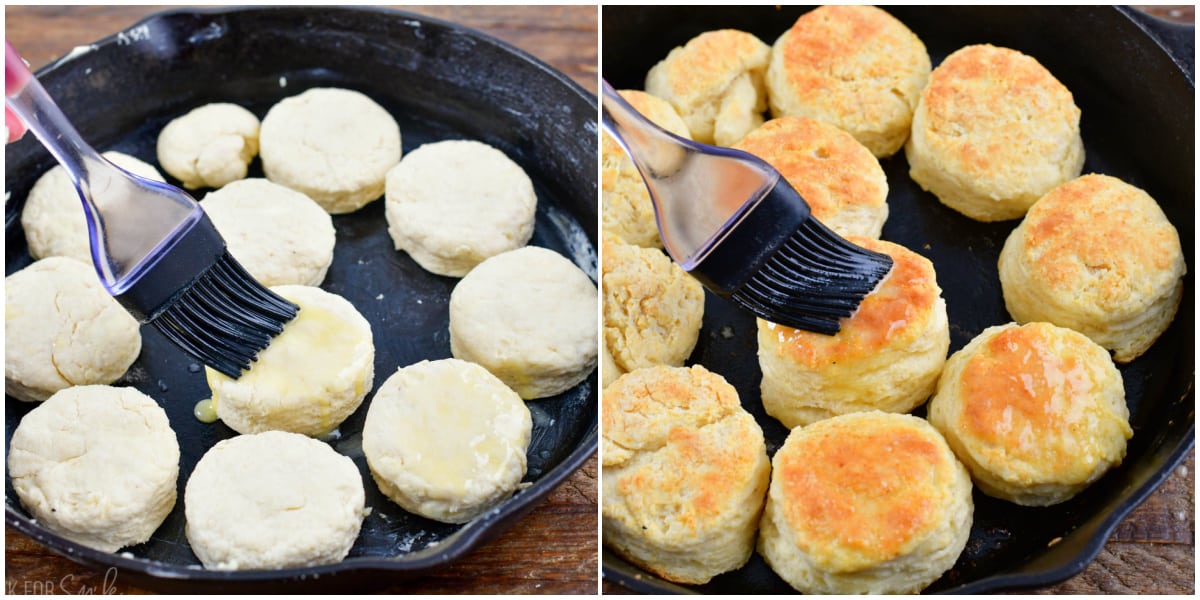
(730, 220)
(153, 247)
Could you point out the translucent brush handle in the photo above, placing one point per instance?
(131, 221)
(700, 192)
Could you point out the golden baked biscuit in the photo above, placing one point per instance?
(685, 470)
(865, 503)
(887, 356)
(1036, 412)
(627, 210)
(652, 308)
(715, 81)
(993, 132)
(839, 178)
(856, 67)
(1096, 255)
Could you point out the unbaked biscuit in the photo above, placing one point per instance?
(53, 213)
(993, 132)
(529, 317)
(453, 204)
(627, 209)
(332, 144)
(887, 356)
(715, 82)
(97, 465)
(855, 67)
(62, 328)
(1036, 412)
(1096, 255)
(210, 146)
(685, 470)
(278, 234)
(869, 503)
(446, 440)
(272, 500)
(652, 308)
(312, 376)
(837, 176)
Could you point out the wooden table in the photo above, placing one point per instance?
(554, 549)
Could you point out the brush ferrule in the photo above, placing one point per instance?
(176, 266)
(753, 241)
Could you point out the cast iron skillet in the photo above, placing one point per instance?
(440, 81)
(1138, 124)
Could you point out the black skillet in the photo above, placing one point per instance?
(440, 81)
(1138, 124)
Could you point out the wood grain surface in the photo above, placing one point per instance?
(553, 550)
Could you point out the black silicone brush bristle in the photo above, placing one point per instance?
(206, 303)
(815, 279)
(785, 266)
(225, 318)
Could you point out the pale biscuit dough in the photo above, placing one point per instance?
(869, 503)
(62, 328)
(1096, 255)
(446, 440)
(529, 317)
(887, 356)
(993, 132)
(685, 471)
(278, 234)
(837, 176)
(652, 308)
(97, 465)
(210, 146)
(272, 500)
(627, 210)
(453, 204)
(1036, 412)
(332, 144)
(855, 67)
(312, 376)
(715, 82)
(53, 213)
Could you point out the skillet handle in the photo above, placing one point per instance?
(1178, 39)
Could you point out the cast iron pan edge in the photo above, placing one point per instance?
(355, 571)
(1071, 553)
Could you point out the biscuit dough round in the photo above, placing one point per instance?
(97, 465)
(869, 503)
(652, 308)
(53, 217)
(446, 439)
(210, 146)
(312, 376)
(993, 132)
(529, 317)
(627, 210)
(272, 500)
(1096, 255)
(887, 356)
(715, 82)
(1036, 412)
(278, 234)
(685, 472)
(453, 204)
(334, 145)
(854, 67)
(62, 328)
(838, 177)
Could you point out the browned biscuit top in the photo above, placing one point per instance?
(827, 166)
(899, 306)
